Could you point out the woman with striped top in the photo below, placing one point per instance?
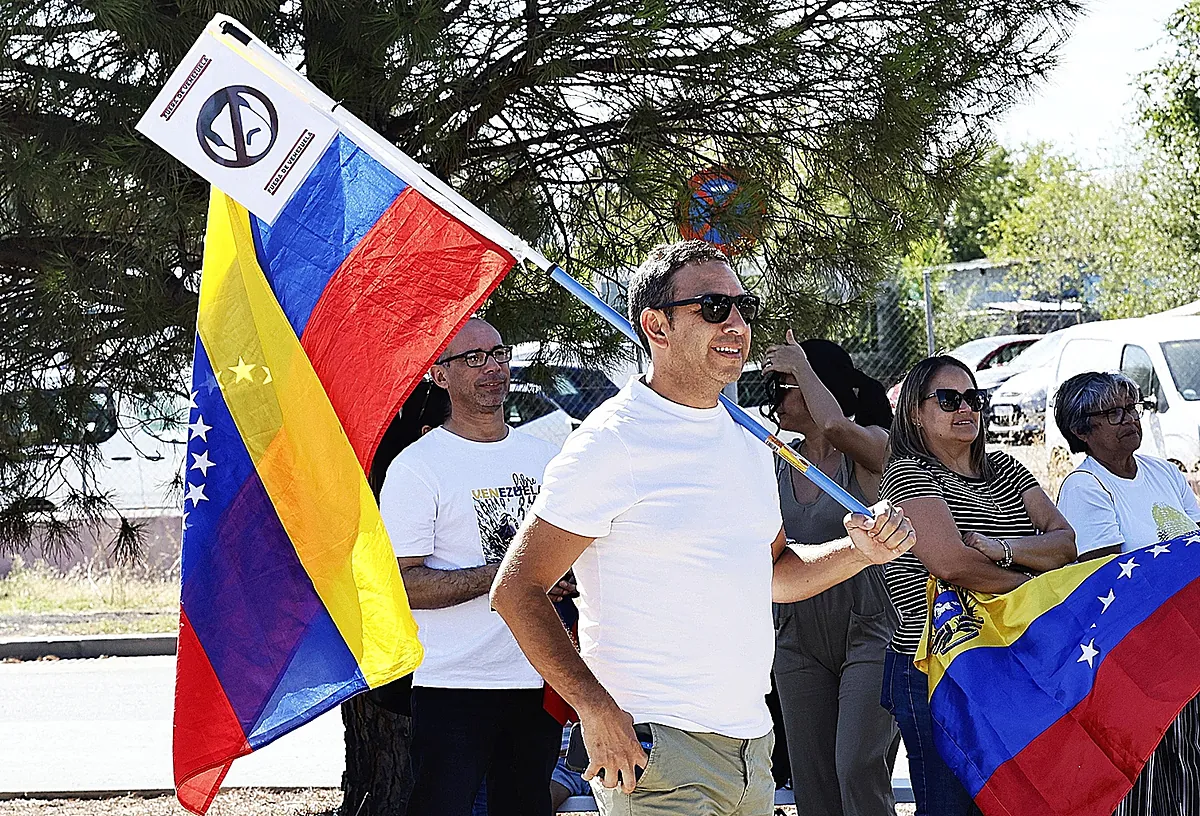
(982, 523)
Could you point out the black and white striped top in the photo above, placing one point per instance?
(993, 509)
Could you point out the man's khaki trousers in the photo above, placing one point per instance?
(695, 774)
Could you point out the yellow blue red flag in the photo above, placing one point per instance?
(1050, 699)
(316, 319)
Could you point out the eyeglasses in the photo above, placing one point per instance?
(475, 358)
(777, 390)
(715, 308)
(1118, 415)
(949, 400)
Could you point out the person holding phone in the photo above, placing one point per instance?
(669, 512)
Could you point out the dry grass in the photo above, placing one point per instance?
(88, 599)
(234, 802)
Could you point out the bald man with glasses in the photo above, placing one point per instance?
(451, 503)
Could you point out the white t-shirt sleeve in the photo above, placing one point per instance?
(409, 509)
(1090, 510)
(588, 484)
(1187, 497)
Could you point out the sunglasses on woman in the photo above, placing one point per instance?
(949, 400)
(777, 390)
(716, 308)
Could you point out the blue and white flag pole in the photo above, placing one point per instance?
(618, 321)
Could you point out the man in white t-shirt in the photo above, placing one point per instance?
(451, 503)
(669, 512)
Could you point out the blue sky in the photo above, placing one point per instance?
(1085, 105)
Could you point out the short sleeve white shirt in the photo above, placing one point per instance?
(675, 591)
(1155, 505)
(459, 503)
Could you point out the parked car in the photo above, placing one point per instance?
(137, 458)
(991, 352)
(1017, 392)
(988, 357)
(550, 401)
(1159, 353)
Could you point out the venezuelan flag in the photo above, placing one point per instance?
(1050, 699)
(311, 333)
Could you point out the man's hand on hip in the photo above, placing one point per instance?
(613, 749)
(883, 538)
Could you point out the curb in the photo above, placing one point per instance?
(75, 647)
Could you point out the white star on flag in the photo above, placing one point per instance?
(202, 463)
(1159, 549)
(195, 494)
(1089, 652)
(1106, 600)
(1127, 569)
(185, 524)
(198, 428)
(269, 379)
(192, 400)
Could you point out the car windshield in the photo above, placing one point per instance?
(971, 353)
(1037, 355)
(1183, 360)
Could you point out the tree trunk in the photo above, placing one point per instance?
(378, 776)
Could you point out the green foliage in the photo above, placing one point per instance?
(574, 124)
(994, 188)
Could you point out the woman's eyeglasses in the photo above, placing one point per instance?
(716, 308)
(475, 358)
(777, 390)
(1120, 413)
(949, 400)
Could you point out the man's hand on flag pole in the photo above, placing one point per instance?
(883, 537)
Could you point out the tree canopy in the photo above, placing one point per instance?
(575, 124)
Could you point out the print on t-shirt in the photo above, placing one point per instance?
(499, 511)
(1171, 523)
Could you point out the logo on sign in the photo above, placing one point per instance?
(237, 126)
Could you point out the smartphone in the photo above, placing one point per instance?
(577, 757)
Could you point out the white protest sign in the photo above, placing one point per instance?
(244, 132)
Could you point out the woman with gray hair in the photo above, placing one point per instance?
(1118, 500)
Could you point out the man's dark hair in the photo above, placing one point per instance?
(652, 284)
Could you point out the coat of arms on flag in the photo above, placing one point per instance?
(1050, 699)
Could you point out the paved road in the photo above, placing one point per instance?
(75, 725)
(105, 724)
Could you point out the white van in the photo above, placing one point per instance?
(1162, 355)
(137, 458)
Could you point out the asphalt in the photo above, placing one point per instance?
(110, 725)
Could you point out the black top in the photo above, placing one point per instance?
(993, 509)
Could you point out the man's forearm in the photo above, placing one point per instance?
(437, 589)
(540, 634)
(806, 570)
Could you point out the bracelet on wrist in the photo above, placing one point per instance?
(1007, 560)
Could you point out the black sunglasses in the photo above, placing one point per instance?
(716, 308)
(475, 358)
(776, 389)
(949, 400)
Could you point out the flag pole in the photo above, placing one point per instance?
(445, 196)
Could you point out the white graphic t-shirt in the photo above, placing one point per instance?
(675, 591)
(1155, 505)
(460, 503)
